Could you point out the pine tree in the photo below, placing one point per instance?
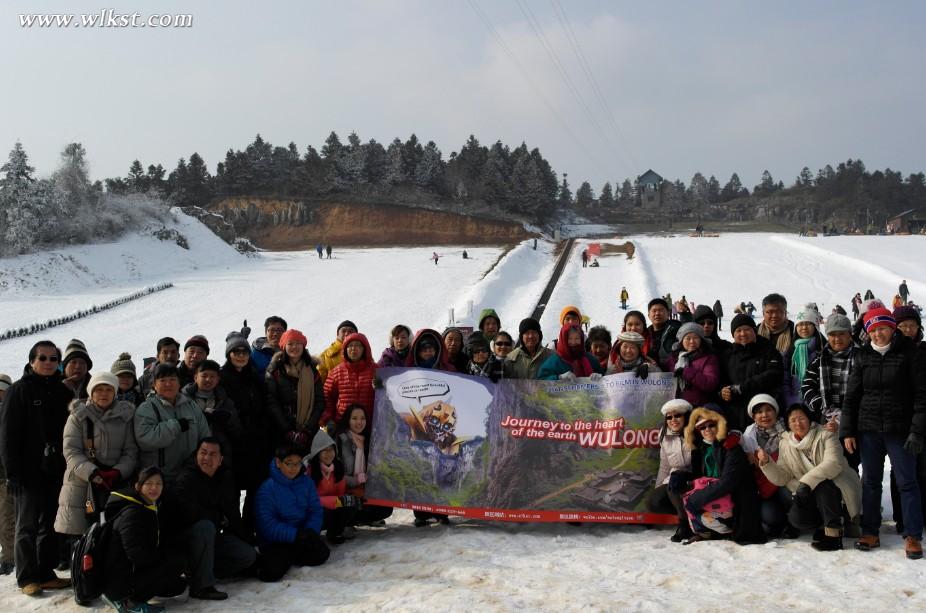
(733, 189)
(606, 199)
(626, 197)
(395, 164)
(585, 197)
(698, 190)
(136, 181)
(494, 173)
(430, 168)
(713, 190)
(352, 164)
(564, 197)
(766, 185)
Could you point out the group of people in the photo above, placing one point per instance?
(763, 439)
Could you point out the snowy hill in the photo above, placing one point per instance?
(476, 565)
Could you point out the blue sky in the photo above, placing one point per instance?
(711, 86)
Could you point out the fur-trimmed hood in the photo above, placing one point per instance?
(692, 438)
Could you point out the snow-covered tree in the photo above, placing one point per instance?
(585, 197)
(395, 164)
(430, 168)
(606, 199)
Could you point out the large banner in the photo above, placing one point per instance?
(518, 450)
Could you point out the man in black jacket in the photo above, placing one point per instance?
(32, 420)
(216, 539)
(661, 332)
(750, 366)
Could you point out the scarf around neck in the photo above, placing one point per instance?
(305, 390)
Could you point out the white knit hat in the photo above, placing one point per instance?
(103, 378)
(761, 399)
(675, 405)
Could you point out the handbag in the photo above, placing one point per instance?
(720, 508)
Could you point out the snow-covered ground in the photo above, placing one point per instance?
(477, 565)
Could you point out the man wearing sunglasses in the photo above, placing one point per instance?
(32, 420)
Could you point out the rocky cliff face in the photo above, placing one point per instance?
(296, 224)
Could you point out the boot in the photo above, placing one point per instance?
(913, 547)
(852, 527)
(867, 542)
(682, 533)
(831, 540)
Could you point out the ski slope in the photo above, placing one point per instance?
(476, 565)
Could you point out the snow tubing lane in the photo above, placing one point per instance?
(554, 279)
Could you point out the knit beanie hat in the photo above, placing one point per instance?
(5, 382)
(676, 405)
(321, 442)
(235, 340)
(294, 335)
(879, 317)
(197, 341)
(631, 337)
(123, 365)
(527, 324)
(808, 314)
(838, 323)
(874, 303)
(103, 378)
(346, 324)
(566, 311)
(906, 313)
(742, 320)
(703, 312)
(477, 340)
(761, 399)
(76, 349)
(689, 328)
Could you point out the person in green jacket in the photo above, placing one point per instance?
(168, 425)
(489, 323)
(525, 360)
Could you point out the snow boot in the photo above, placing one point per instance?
(682, 533)
(913, 547)
(867, 542)
(831, 540)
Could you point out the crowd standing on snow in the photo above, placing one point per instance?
(764, 438)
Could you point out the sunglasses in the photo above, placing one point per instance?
(239, 351)
(503, 344)
(47, 358)
(676, 416)
(710, 425)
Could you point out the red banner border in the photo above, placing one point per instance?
(525, 515)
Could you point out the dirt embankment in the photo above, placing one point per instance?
(294, 224)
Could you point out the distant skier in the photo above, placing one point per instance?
(625, 296)
(465, 255)
(904, 291)
(328, 250)
(718, 312)
(435, 257)
(319, 249)
(584, 258)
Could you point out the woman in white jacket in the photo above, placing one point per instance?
(812, 466)
(674, 466)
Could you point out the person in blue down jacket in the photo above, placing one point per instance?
(288, 518)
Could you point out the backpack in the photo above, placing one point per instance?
(87, 562)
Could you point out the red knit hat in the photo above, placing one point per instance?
(293, 335)
(879, 317)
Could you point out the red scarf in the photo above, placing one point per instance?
(574, 356)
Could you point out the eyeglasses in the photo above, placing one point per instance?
(502, 344)
(677, 416)
(46, 358)
(710, 425)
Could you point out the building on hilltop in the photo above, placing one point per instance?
(650, 189)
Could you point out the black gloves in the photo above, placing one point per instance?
(184, 424)
(642, 371)
(914, 443)
(803, 496)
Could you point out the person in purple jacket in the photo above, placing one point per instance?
(696, 366)
(397, 351)
(288, 518)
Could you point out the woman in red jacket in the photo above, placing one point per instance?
(351, 381)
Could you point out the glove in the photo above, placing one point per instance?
(297, 438)
(642, 371)
(109, 476)
(184, 424)
(568, 376)
(914, 444)
(350, 501)
(245, 329)
(803, 496)
(13, 487)
(595, 376)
